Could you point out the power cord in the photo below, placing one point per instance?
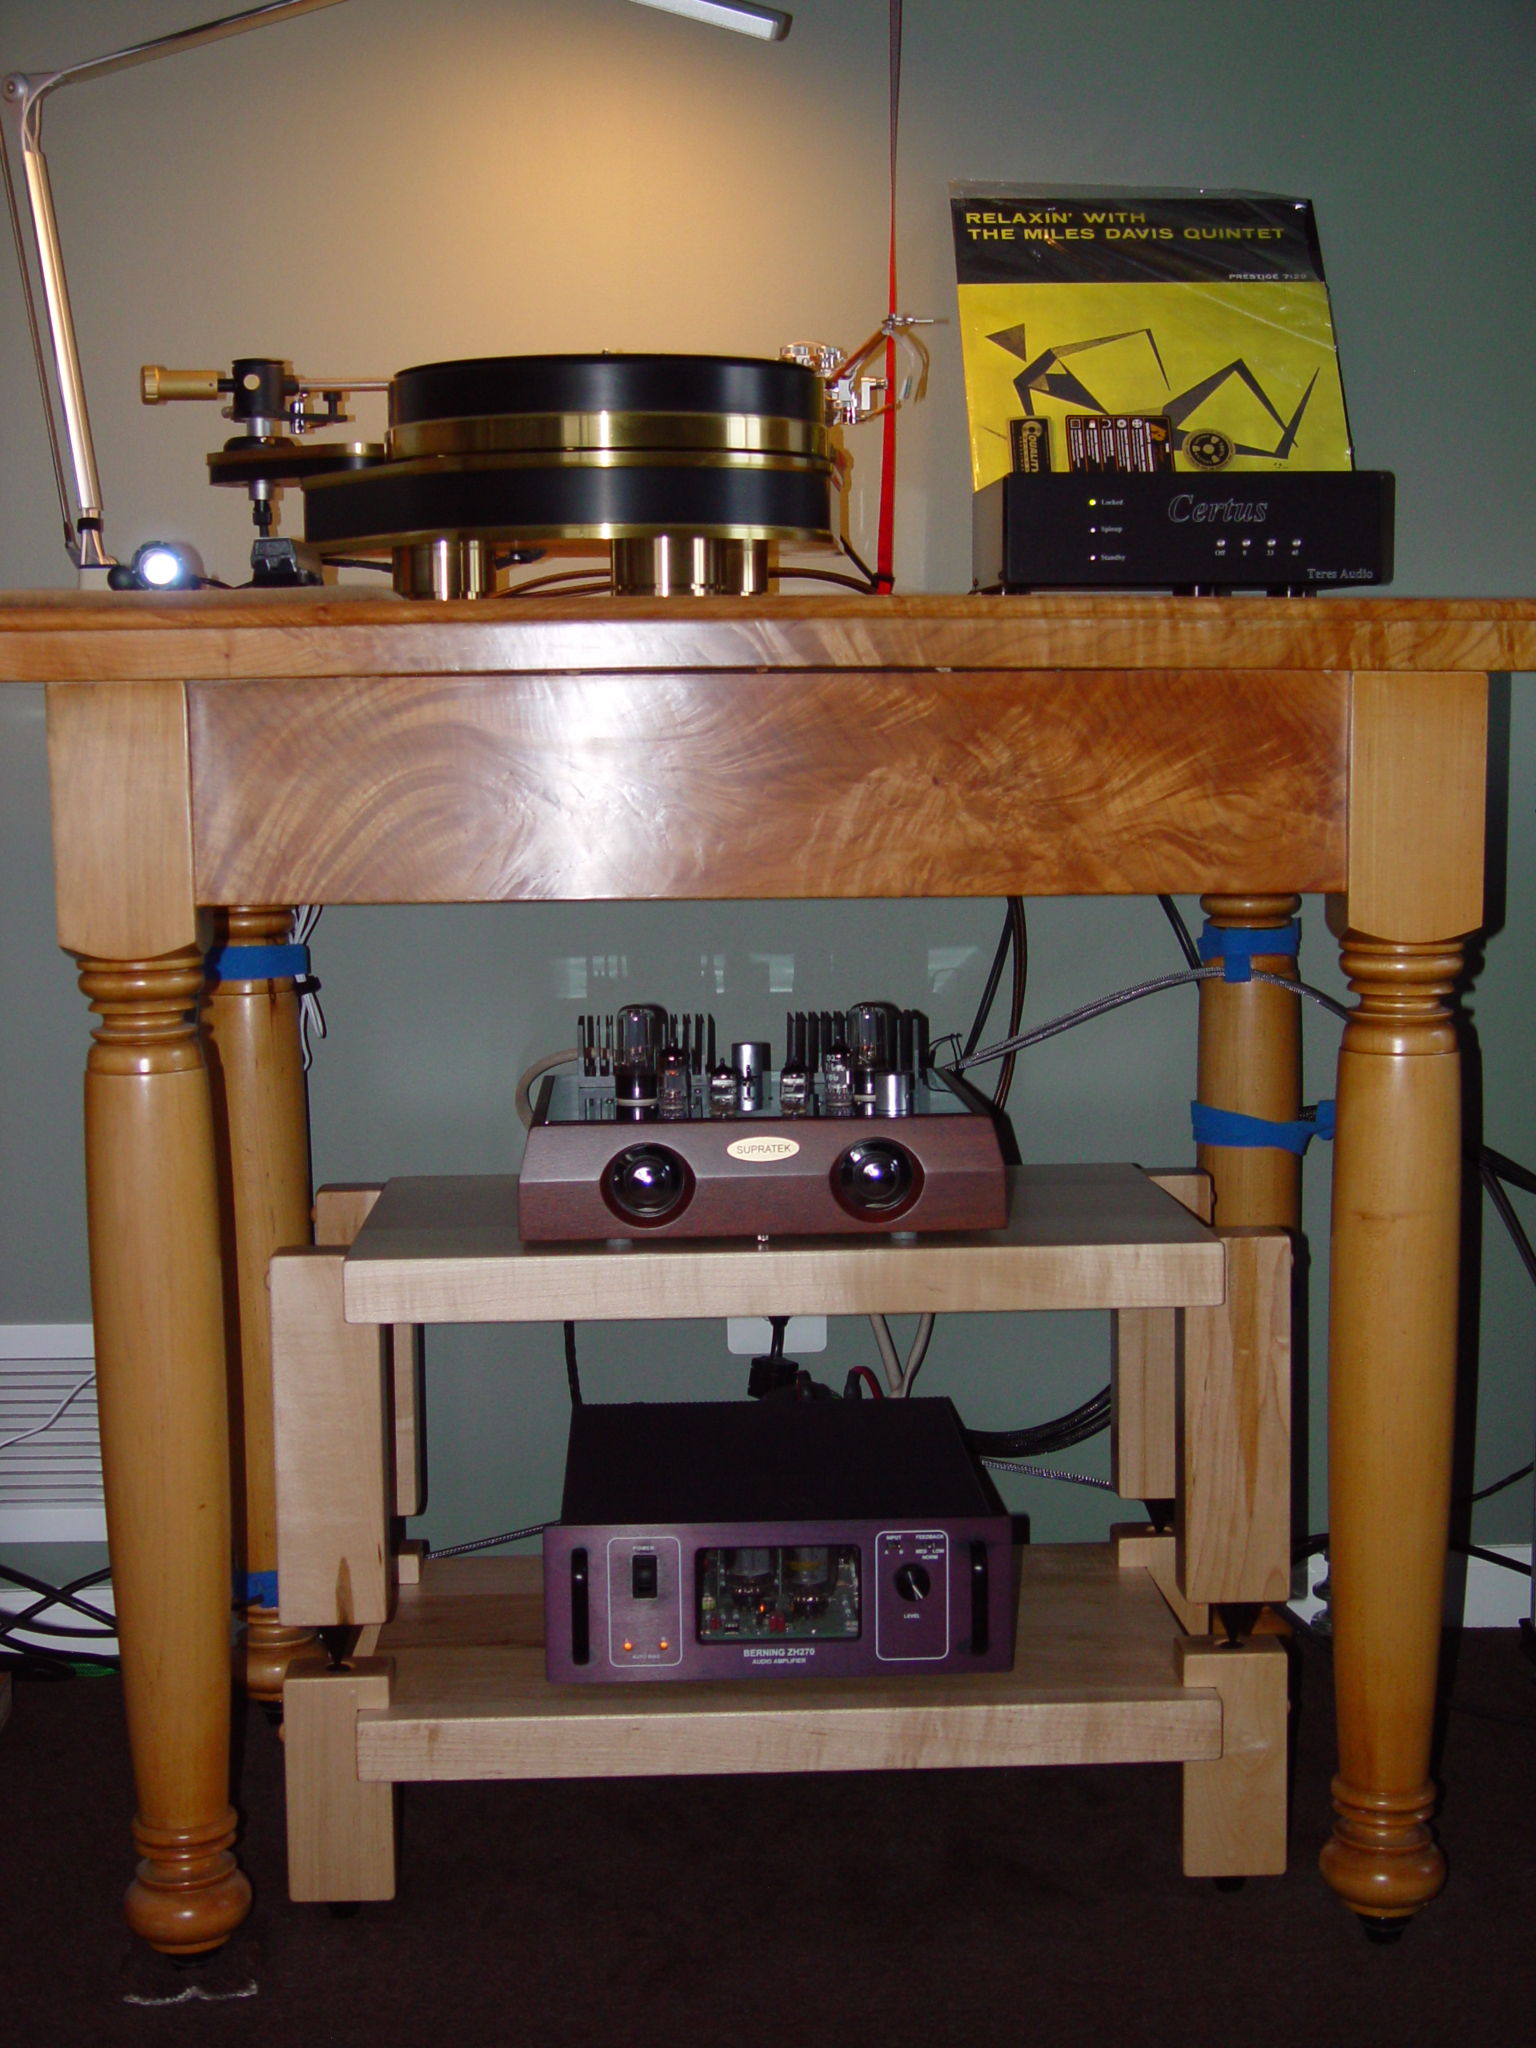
(899, 1374)
(22, 1436)
(1059, 1435)
(491, 1542)
(1012, 940)
(573, 1382)
(1181, 931)
(1048, 1472)
(1103, 1004)
(27, 1660)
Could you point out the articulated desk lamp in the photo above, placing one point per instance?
(754, 500)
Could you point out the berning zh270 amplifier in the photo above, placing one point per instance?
(753, 1539)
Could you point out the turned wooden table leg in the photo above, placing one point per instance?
(157, 1300)
(256, 1055)
(1397, 1167)
(1250, 1061)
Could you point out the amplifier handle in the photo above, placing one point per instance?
(581, 1638)
(981, 1634)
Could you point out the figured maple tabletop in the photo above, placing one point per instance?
(69, 636)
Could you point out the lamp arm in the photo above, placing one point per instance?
(41, 259)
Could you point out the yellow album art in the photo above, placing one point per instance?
(1206, 310)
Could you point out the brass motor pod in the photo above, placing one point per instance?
(688, 565)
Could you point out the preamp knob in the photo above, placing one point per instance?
(913, 1582)
(647, 1184)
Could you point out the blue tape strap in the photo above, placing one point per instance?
(1235, 948)
(258, 963)
(1231, 1127)
(256, 1589)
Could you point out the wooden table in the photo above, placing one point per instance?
(241, 753)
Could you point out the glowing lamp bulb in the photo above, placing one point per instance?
(166, 565)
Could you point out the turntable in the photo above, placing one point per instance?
(686, 468)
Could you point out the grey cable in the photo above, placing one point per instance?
(491, 1542)
(1104, 1004)
(1047, 1472)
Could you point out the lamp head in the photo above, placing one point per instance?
(770, 24)
(160, 565)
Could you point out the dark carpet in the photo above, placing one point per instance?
(967, 1908)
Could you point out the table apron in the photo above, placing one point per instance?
(468, 789)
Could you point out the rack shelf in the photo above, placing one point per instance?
(1094, 1682)
(453, 1685)
(446, 1249)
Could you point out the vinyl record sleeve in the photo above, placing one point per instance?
(1207, 307)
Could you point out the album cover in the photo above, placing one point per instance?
(1205, 309)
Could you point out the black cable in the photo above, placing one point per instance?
(1493, 1180)
(1018, 931)
(1466, 1500)
(825, 576)
(1315, 1546)
(1512, 1564)
(1181, 931)
(39, 1661)
(1306, 1631)
(857, 562)
(1091, 1419)
(43, 1664)
(994, 976)
(1509, 1169)
(59, 1629)
(59, 1596)
(593, 587)
(573, 1380)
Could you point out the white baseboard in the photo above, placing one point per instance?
(1495, 1596)
(50, 1483)
(1491, 1596)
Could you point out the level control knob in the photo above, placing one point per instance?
(913, 1582)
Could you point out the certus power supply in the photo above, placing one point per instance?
(758, 1539)
(1179, 530)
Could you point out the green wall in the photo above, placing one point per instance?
(382, 184)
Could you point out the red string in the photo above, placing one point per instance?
(885, 538)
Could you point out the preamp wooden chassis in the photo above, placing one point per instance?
(958, 1157)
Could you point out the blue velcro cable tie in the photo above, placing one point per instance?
(258, 963)
(1231, 1127)
(256, 1589)
(1236, 948)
